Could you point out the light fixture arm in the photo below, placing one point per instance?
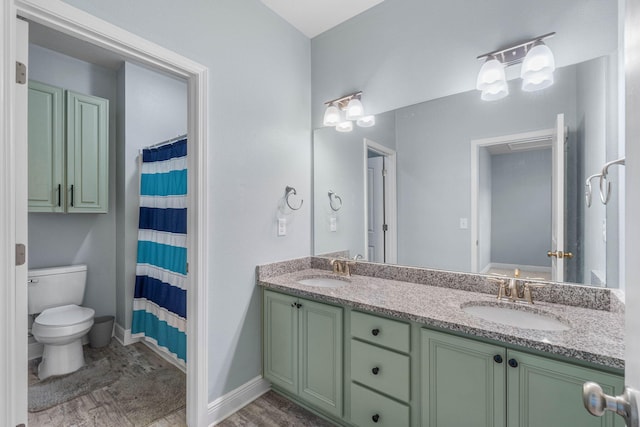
(515, 53)
(343, 101)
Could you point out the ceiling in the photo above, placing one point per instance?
(313, 17)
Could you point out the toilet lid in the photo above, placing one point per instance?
(65, 315)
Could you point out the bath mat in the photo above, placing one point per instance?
(151, 396)
(59, 389)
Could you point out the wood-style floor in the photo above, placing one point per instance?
(273, 410)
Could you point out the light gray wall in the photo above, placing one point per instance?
(339, 165)
(521, 208)
(402, 52)
(259, 122)
(64, 239)
(484, 209)
(433, 142)
(592, 130)
(155, 110)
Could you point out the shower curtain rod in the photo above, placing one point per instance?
(168, 141)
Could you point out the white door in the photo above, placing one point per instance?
(19, 365)
(557, 200)
(375, 209)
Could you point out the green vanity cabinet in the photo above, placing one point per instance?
(303, 350)
(68, 151)
(467, 382)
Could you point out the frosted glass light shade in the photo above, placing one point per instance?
(331, 116)
(492, 72)
(537, 81)
(495, 91)
(355, 110)
(366, 121)
(538, 60)
(346, 126)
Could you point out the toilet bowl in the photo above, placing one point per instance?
(61, 329)
(54, 296)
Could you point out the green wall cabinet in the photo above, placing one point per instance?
(467, 382)
(68, 151)
(303, 350)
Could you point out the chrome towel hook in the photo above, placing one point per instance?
(333, 196)
(288, 192)
(588, 190)
(605, 185)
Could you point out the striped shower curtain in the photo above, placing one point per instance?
(160, 299)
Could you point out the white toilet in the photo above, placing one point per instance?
(56, 294)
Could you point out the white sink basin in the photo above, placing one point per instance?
(324, 282)
(521, 317)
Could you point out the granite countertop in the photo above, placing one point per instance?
(595, 336)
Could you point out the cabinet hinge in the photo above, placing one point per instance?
(385, 227)
(21, 254)
(384, 172)
(21, 73)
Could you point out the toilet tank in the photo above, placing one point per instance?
(56, 286)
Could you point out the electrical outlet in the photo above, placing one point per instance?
(282, 227)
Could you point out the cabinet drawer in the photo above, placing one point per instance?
(381, 331)
(380, 369)
(369, 408)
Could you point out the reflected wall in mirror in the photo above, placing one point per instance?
(431, 146)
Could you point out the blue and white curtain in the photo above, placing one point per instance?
(160, 299)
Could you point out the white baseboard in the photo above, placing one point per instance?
(160, 351)
(124, 335)
(236, 399)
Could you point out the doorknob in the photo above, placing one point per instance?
(624, 405)
(560, 254)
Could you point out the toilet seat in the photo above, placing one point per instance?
(64, 322)
(66, 315)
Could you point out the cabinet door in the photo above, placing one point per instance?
(545, 392)
(281, 341)
(462, 384)
(46, 148)
(87, 153)
(321, 356)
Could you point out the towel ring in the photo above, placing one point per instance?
(333, 196)
(605, 185)
(588, 190)
(288, 192)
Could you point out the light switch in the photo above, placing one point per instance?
(282, 227)
(464, 223)
(333, 223)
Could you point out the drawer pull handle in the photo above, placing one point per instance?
(497, 358)
(375, 332)
(375, 418)
(513, 363)
(375, 370)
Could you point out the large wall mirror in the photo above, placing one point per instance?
(460, 184)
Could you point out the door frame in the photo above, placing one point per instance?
(390, 200)
(62, 17)
(476, 145)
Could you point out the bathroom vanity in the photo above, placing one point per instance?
(398, 346)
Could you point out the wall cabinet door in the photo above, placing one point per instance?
(544, 392)
(87, 153)
(463, 382)
(46, 148)
(303, 349)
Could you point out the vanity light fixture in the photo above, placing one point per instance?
(537, 69)
(353, 111)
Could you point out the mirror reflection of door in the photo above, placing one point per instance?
(375, 207)
(518, 203)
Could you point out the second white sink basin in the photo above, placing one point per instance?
(521, 317)
(324, 282)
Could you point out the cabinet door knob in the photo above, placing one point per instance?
(298, 305)
(375, 332)
(375, 370)
(375, 418)
(513, 363)
(497, 358)
(293, 304)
